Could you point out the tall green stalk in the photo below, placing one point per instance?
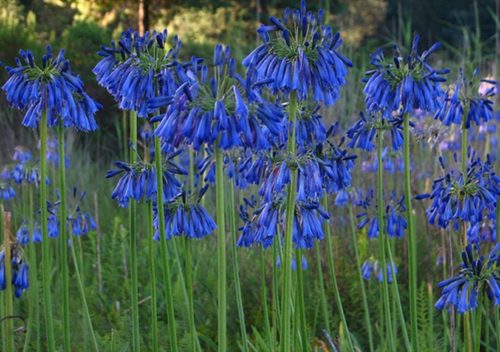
(189, 268)
(263, 295)
(221, 248)
(134, 286)
(368, 322)
(286, 310)
(33, 313)
(236, 270)
(163, 248)
(8, 297)
(152, 278)
(322, 291)
(412, 240)
(300, 304)
(46, 277)
(64, 237)
(333, 274)
(381, 242)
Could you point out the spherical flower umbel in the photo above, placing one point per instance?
(467, 96)
(50, 88)
(467, 197)
(299, 53)
(405, 83)
(462, 290)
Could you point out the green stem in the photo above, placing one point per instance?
(236, 272)
(64, 238)
(152, 277)
(381, 242)
(8, 297)
(188, 249)
(477, 328)
(331, 266)
(46, 277)
(286, 263)
(395, 292)
(276, 294)
(221, 248)
(368, 322)
(134, 295)
(263, 295)
(33, 314)
(412, 240)
(301, 310)
(81, 288)
(163, 248)
(322, 290)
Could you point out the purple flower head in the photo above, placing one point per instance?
(404, 83)
(299, 53)
(52, 88)
(468, 97)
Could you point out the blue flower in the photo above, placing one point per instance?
(20, 274)
(185, 215)
(139, 69)
(463, 289)
(23, 234)
(50, 88)
(372, 268)
(300, 53)
(405, 83)
(20, 279)
(262, 226)
(371, 123)
(455, 197)
(6, 191)
(211, 109)
(138, 181)
(468, 96)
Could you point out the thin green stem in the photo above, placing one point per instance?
(188, 249)
(333, 274)
(301, 309)
(134, 295)
(412, 240)
(8, 297)
(236, 270)
(81, 288)
(478, 315)
(163, 248)
(221, 248)
(33, 314)
(263, 295)
(395, 292)
(64, 238)
(381, 243)
(322, 290)
(286, 263)
(46, 277)
(368, 322)
(152, 278)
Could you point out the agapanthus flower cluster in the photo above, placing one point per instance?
(208, 109)
(138, 181)
(52, 88)
(19, 270)
(184, 215)
(371, 268)
(476, 274)
(265, 223)
(138, 69)
(299, 53)
(391, 161)
(79, 222)
(466, 97)
(457, 197)
(404, 83)
(394, 219)
(6, 191)
(369, 124)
